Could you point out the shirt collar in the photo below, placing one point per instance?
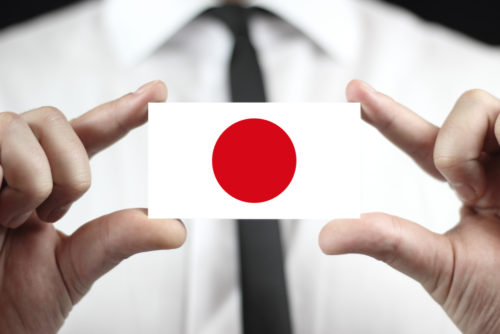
(136, 28)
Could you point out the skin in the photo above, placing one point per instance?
(45, 168)
(460, 268)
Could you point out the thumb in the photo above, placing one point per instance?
(408, 247)
(101, 244)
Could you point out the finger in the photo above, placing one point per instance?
(406, 246)
(461, 141)
(26, 171)
(67, 157)
(100, 245)
(105, 124)
(404, 128)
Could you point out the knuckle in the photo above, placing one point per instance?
(476, 96)
(394, 241)
(388, 236)
(8, 117)
(113, 116)
(445, 162)
(40, 189)
(52, 114)
(79, 184)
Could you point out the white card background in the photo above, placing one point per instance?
(181, 182)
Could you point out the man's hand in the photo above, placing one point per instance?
(44, 167)
(461, 268)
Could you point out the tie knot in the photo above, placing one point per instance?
(234, 16)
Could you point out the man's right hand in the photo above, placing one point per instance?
(44, 168)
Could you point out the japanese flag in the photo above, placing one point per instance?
(254, 160)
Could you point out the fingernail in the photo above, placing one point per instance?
(146, 86)
(465, 192)
(58, 213)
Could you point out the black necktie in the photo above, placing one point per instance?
(264, 296)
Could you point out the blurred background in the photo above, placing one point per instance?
(478, 19)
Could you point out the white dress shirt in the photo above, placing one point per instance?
(87, 54)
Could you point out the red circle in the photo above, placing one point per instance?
(254, 160)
